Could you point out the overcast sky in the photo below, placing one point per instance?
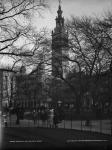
(71, 7)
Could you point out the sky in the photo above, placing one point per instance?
(70, 7)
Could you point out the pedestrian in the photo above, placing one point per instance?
(50, 118)
(56, 118)
(18, 116)
(44, 117)
(5, 120)
(34, 116)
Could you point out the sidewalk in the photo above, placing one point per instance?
(36, 137)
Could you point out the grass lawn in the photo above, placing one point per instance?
(53, 138)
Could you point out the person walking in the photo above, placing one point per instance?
(56, 118)
(44, 117)
(34, 116)
(5, 120)
(51, 117)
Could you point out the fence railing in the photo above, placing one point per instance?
(99, 125)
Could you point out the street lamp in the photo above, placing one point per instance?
(111, 86)
(59, 103)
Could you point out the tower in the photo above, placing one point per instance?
(59, 46)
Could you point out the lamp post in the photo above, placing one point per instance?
(111, 88)
(87, 95)
(1, 95)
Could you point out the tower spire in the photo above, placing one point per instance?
(59, 45)
(59, 9)
(60, 2)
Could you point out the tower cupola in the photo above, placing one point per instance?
(59, 12)
(59, 19)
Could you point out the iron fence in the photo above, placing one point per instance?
(101, 125)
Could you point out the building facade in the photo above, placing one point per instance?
(7, 87)
(29, 88)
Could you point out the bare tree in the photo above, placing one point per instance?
(15, 27)
(86, 53)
